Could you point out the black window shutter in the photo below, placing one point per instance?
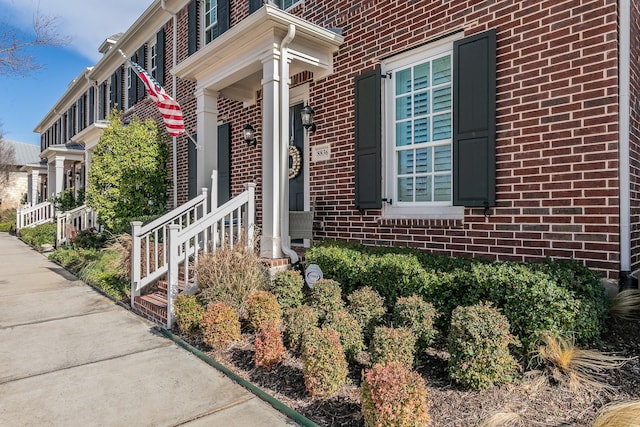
(119, 86)
(254, 5)
(474, 120)
(92, 106)
(142, 56)
(193, 27)
(160, 57)
(192, 168)
(113, 91)
(224, 17)
(368, 133)
(81, 116)
(133, 92)
(224, 163)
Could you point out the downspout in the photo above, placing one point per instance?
(626, 279)
(174, 140)
(285, 244)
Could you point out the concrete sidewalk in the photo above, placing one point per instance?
(71, 357)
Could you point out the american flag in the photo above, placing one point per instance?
(169, 107)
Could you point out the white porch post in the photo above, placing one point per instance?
(33, 187)
(59, 176)
(87, 166)
(271, 233)
(207, 157)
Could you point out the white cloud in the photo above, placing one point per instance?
(87, 22)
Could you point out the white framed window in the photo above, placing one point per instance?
(129, 76)
(418, 137)
(152, 60)
(210, 16)
(286, 4)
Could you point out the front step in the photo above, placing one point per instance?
(153, 305)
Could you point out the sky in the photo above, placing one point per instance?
(24, 101)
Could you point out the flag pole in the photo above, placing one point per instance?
(186, 132)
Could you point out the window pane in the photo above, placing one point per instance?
(403, 107)
(442, 70)
(421, 103)
(405, 189)
(442, 99)
(405, 162)
(443, 158)
(423, 160)
(421, 79)
(421, 131)
(442, 188)
(403, 81)
(423, 189)
(403, 134)
(442, 126)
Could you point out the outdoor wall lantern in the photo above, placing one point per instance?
(307, 114)
(78, 175)
(249, 135)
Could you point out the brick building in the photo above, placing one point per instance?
(499, 129)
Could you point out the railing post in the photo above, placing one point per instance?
(172, 272)
(58, 228)
(135, 259)
(214, 190)
(205, 204)
(18, 219)
(251, 213)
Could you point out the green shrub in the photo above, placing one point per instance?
(325, 366)
(350, 332)
(326, 297)
(339, 262)
(392, 345)
(105, 273)
(287, 286)
(220, 325)
(367, 307)
(262, 306)
(269, 349)
(188, 313)
(228, 275)
(299, 320)
(43, 234)
(417, 315)
(393, 395)
(90, 239)
(479, 341)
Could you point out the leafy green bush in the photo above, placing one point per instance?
(105, 273)
(262, 306)
(417, 315)
(220, 325)
(269, 349)
(287, 286)
(325, 366)
(479, 341)
(349, 330)
(393, 395)
(229, 275)
(326, 297)
(188, 313)
(43, 234)
(299, 320)
(392, 345)
(367, 307)
(339, 262)
(66, 200)
(90, 239)
(7, 220)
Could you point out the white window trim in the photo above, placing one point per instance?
(152, 56)
(128, 72)
(391, 210)
(203, 36)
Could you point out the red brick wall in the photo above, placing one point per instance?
(635, 135)
(557, 186)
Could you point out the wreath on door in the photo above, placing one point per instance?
(296, 161)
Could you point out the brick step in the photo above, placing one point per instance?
(163, 285)
(152, 306)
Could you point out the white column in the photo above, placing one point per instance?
(271, 233)
(51, 180)
(35, 183)
(59, 184)
(207, 158)
(87, 166)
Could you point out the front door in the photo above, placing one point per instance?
(296, 160)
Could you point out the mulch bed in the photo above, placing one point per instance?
(537, 399)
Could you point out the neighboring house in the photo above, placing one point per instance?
(17, 189)
(498, 129)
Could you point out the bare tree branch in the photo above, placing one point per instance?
(7, 160)
(14, 59)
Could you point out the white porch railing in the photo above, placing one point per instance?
(70, 222)
(34, 215)
(149, 243)
(230, 224)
